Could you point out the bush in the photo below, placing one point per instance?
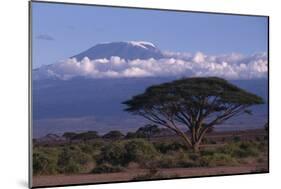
(139, 150)
(86, 148)
(107, 168)
(122, 153)
(72, 160)
(113, 153)
(71, 167)
(165, 147)
(207, 152)
(175, 160)
(241, 149)
(43, 163)
(217, 159)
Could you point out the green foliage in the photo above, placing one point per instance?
(207, 152)
(114, 135)
(86, 148)
(217, 159)
(122, 153)
(139, 150)
(43, 163)
(72, 160)
(113, 153)
(113, 156)
(177, 159)
(187, 89)
(241, 149)
(89, 135)
(165, 147)
(107, 168)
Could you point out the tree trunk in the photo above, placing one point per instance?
(195, 147)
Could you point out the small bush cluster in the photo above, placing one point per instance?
(43, 163)
(241, 149)
(217, 159)
(165, 147)
(113, 153)
(122, 153)
(72, 160)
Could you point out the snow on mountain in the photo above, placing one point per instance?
(142, 44)
(126, 50)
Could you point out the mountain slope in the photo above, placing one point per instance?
(126, 50)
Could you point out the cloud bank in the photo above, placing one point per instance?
(229, 66)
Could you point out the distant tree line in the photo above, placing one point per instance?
(146, 131)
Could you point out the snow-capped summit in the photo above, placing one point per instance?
(143, 44)
(129, 50)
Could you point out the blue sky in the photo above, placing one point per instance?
(60, 31)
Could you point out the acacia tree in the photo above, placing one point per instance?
(197, 104)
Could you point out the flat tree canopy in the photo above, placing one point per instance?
(197, 103)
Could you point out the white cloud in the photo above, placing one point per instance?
(199, 58)
(230, 66)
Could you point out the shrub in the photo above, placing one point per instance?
(113, 153)
(207, 152)
(176, 159)
(165, 147)
(241, 149)
(167, 162)
(43, 163)
(72, 160)
(97, 145)
(217, 159)
(71, 167)
(139, 150)
(194, 156)
(86, 148)
(107, 168)
(122, 153)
